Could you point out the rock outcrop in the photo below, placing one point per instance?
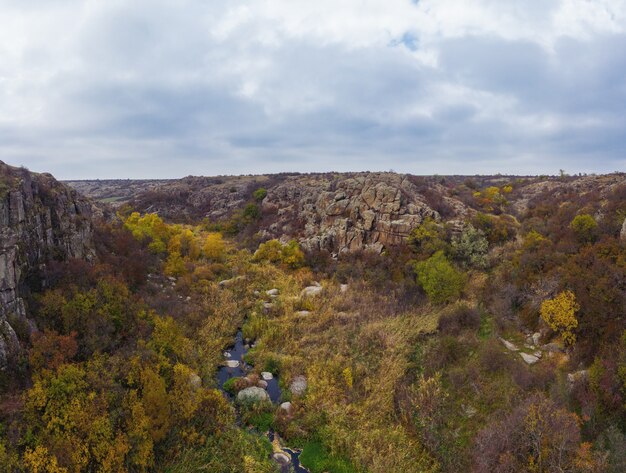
(40, 220)
(339, 212)
(348, 212)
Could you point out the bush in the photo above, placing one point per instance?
(439, 279)
(559, 313)
(274, 251)
(461, 317)
(259, 194)
(318, 460)
(585, 228)
(471, 247)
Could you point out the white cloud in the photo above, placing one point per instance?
(95, 88)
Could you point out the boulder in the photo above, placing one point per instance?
(302, 313)
(272, 292)
(577, 376)
(622, 233)
(509, 346)
(229, 282)
(253, 394)
(552, 347)
(536, 337)
(287, 407)
(195, 381)
(266, 375)
(281, 458)
(529, 359)
(298, 385)
(262, 384)
(311, 291)
(232, 363)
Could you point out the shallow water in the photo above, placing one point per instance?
(237, 352)
(294, 454)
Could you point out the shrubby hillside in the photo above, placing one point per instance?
(351, 323)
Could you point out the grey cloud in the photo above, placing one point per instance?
(146, 90)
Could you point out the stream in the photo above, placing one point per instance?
(236, 354)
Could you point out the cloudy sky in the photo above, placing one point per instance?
(167, 88)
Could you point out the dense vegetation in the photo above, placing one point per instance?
(412, 358)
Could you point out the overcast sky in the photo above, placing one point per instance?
(167, 88)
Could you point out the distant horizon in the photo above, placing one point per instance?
(252, 174)
(103, 89)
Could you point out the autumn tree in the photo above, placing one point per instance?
(274, 251)
(537, 436)
(560, 314)
(214, 246)
(150, 228)
(441, 281)
(50, 350)
(427, 238)
(585, 227)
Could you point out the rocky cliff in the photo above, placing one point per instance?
(40, 220)
(332, 211)
(351, 212)
(342, 212)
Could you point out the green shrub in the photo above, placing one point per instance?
(263, 421)
(259, 194)
(441, 281)
(318, 460)
(230, 385)
(585, 227)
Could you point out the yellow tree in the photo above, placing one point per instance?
(560, 314)
(214, 246)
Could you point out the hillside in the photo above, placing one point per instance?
(335, 212)
(362, 322)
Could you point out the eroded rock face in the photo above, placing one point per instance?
(347, 212)
(40, 220)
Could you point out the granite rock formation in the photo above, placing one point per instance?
(40, 220)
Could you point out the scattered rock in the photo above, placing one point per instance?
(252, 394)
(536, 337)
(622, 233)
(281, 458)
(232, 363)
(267, 306)
(227, 354)
(552, 347)
(229, 282)
(302, 313)
(469, 411)
(311, 291)
(298, 385)
(343, 288)
(266, 375)
(195, 381)
(509, 346)
(529, 359)
(577, 376)
(272, 292)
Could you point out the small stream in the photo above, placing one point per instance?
(236, 353)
